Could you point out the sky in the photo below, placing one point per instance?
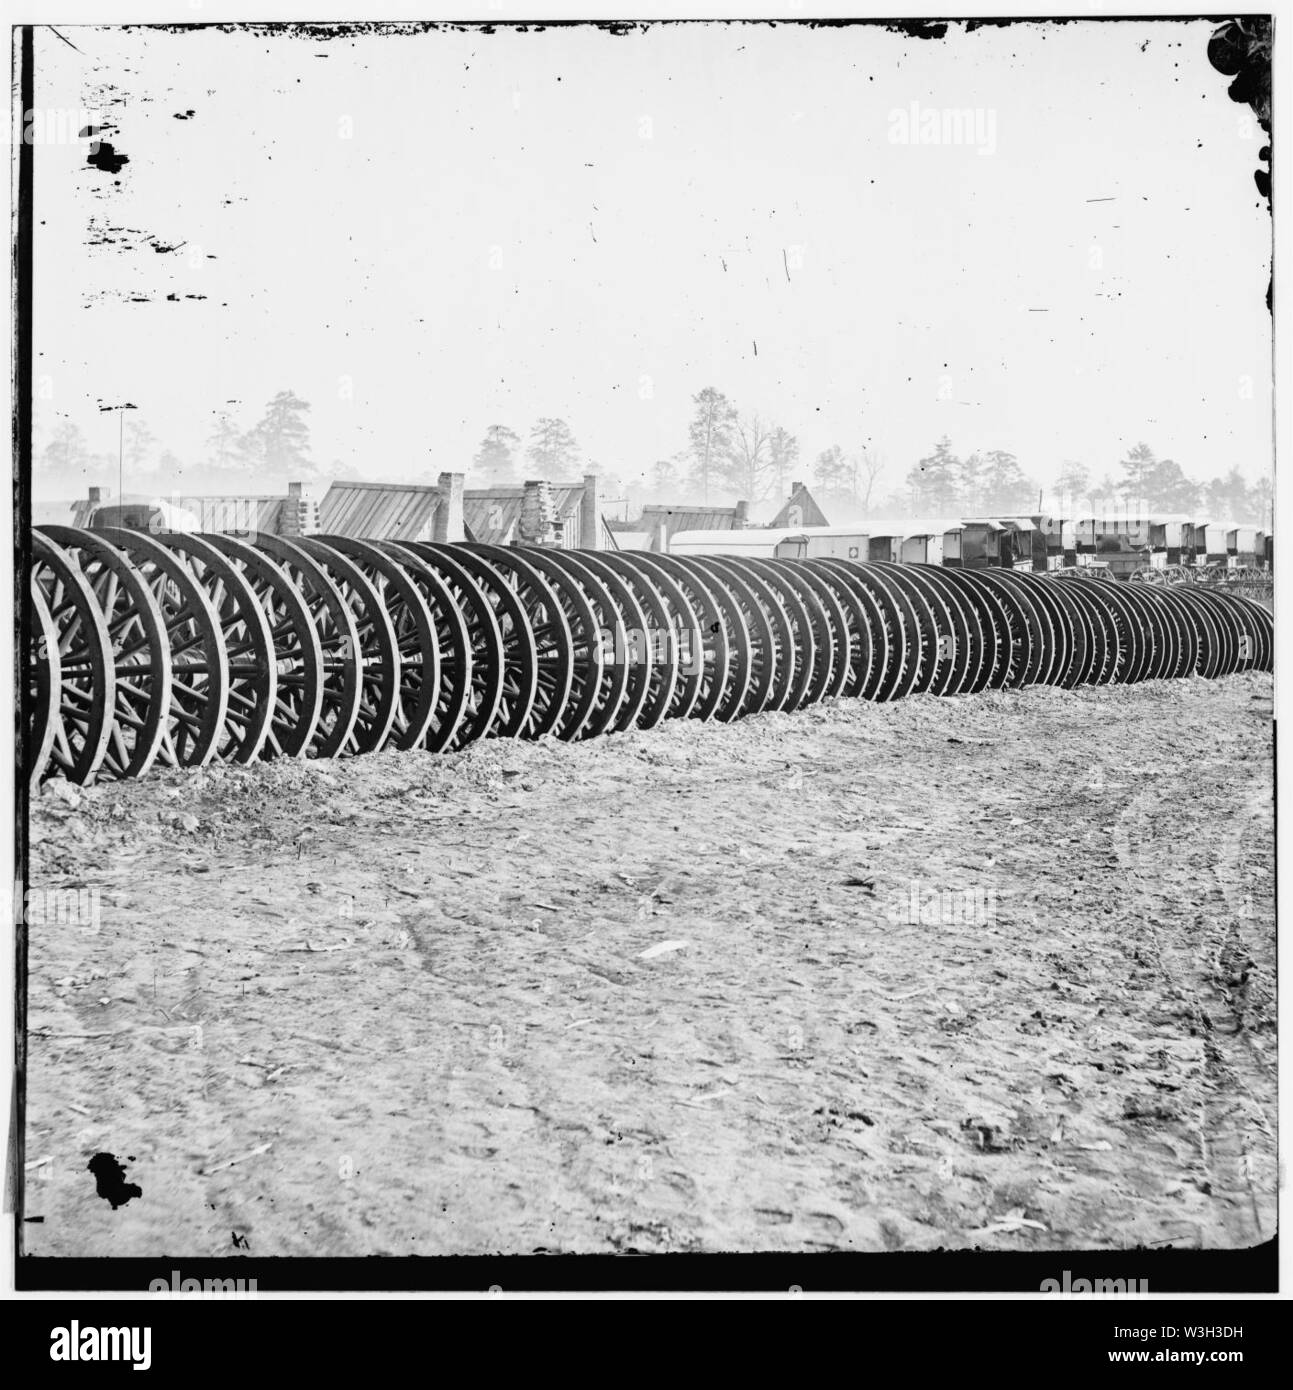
(427, 233)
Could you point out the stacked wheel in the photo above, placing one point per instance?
(180, 649)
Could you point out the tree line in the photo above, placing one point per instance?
(276, 446)
(729, 455)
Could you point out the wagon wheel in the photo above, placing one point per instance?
(570, 634)
(968, 667)
(1136, 632)
(298, 658)
(1160, 632)
(788, 655)
(1261, 628)
(1105, 657)
(831, 630)
(711, 636)
(1228, 631)
(337, 639)
(416, 639)
(549, 628)
(248, 642)
(1177, 650)
(88, 679)
(604, 680)
(628, 631)
(379, 657)
(1026, 626)
(672, 637)
(1077, 621)
(988, 624)
(1059, 631)
(749, 638)
(44, 688)
(862, 620)
(797, 631)
(141, 652)
(897, 635)
(931, 623)
(454, 696)
(195, 726)
(520, 663)
(486, 649)
(1208, 633)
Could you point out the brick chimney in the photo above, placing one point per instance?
(538, 515)
(96, 496)
(742, 518)
(447, 524)
(590, 527)
(300, 513)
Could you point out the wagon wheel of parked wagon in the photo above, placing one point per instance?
(595, 685)
(630, 634)
(336, 636)
(141, 653)
(715, 670)
(417, 643)
(294, 640)
(515, 716)
(379, 656)
(248, 644)
(668, 640)
(861, 654)
(807, 633)
(87, 683)
(196, 726)
(44, 688)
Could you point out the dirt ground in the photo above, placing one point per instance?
(994, 971)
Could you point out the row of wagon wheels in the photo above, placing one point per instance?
(178, 649)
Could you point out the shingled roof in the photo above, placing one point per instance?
(379, 511)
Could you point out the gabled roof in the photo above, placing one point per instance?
(378, 511)
(677, 519)
(811, 513)
(490, 514)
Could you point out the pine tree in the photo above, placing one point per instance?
(495, 460)
(711, 435)
(552, 448)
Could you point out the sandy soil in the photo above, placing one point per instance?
(995, 971)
